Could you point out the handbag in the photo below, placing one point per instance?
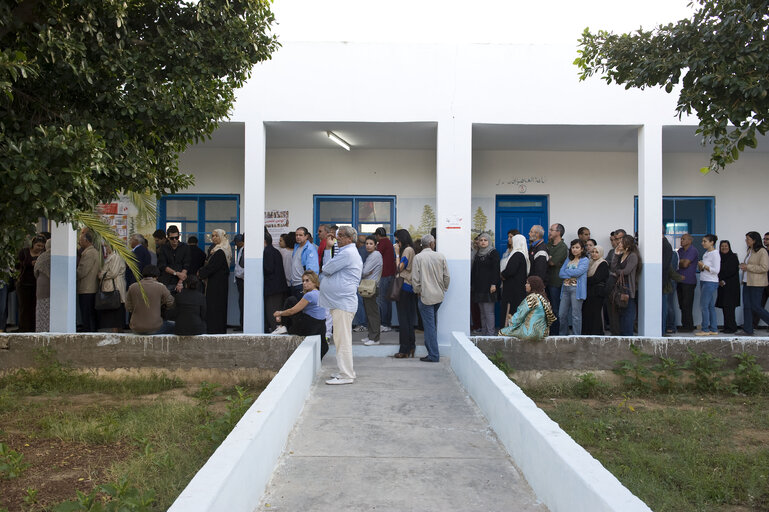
(367, 288)
(107, 301)
(620, 294)
(395, 289)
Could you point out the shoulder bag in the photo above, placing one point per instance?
(395, 289)
(367, 288)
(620, 294)
(107, 301)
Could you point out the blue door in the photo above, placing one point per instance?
(519, 212)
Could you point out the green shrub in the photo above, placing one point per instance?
(499, 361)
(668, 372)
(12, 464)
(635, 373)
(749, 377)
(708, 377)
(587, 385)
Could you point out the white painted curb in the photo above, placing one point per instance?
(236, 475)
(564, 476)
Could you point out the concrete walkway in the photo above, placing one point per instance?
(405, 436)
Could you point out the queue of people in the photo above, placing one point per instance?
(584, 291)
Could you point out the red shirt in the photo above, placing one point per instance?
(385, 246)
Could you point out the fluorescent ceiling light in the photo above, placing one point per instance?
(336, 138)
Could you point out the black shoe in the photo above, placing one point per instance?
(427, 360)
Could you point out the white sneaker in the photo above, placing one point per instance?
(360, 328)
(338, 381)
(280, 330)
(384, 328)
(336, 375)
(369, 342)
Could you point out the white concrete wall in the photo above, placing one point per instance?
(235, 476)
(295, 175)
(563, 475)
(217, 170)
(593, 189)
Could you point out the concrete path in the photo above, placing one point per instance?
(405, 436)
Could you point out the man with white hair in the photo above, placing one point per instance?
(430, 279)
(339, 294)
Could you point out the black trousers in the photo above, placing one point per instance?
(686, 303)
(272, 304)
(303, 324)
(87, 303)
(239, 283)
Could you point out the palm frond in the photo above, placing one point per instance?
(104, 231)
(146, 206)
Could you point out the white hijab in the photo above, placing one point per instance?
(520, 245)
(223, 245)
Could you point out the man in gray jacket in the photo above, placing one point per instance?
(430, 279)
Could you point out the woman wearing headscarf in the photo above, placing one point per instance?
(111, 277)
(484, 281)
(43, 293)
(534, 315)
(597, 274)
(755, 280)
(515, 268)
(217, 271)
(728, 286)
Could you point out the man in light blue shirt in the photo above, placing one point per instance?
(339, 294)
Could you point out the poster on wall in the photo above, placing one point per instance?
(110, 215)
(276, 222)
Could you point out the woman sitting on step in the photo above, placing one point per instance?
(534, 315)
(304, 317)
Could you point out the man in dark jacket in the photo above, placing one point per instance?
(143, 258)
(538, 255)
(173, 261)
(275, 287)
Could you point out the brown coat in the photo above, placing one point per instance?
(146, 319)
(757, 267)
(88, 271)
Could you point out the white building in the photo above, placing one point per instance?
(501, 126)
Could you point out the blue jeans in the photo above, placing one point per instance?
(751, 303)
(627, 318)
(360, 315)
(429, 317)
(385, 304)
(554, 293)
(708, 291)
(570, 305)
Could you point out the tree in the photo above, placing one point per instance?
(479, 221)
(720, 58)
(427, 222)
(100, 96)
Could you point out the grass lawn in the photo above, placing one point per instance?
(137, 441)
(677, 452)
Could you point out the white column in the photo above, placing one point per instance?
(650, 229)
(63, 278)
(453, 196)
(253, 227)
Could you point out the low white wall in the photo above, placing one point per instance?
(562, 473)
(236, 475)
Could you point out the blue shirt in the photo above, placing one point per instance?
(340, 279)
(579, 273)
(312, 308)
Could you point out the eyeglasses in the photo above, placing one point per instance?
(306, 280)
(173, 238)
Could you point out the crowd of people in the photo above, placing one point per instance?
(540, 287)
(549, 287)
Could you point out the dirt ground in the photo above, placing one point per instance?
(57, 469)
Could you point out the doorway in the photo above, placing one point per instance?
(518, 212)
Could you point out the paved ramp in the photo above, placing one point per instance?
(405, 436)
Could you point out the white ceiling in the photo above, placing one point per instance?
(486, 137)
